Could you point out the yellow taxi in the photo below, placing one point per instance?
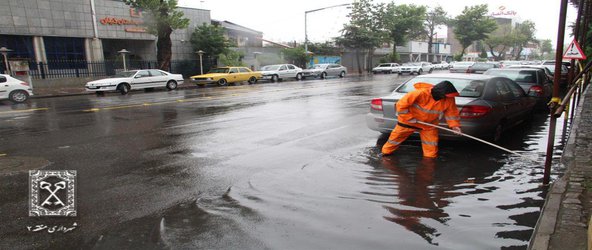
(226, 75)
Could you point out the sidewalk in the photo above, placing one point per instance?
(563, 223)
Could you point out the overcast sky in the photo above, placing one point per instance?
(284, 20)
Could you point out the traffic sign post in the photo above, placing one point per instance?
(574, 51)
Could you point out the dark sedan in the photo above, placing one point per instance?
(533, 81)
(488, 105)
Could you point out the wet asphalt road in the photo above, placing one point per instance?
(282, 166)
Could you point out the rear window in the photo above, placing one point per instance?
(465, 87)
(519, 76)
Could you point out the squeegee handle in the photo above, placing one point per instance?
(475, 138)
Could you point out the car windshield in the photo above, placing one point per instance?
(219, 70)
(411, 64)
(520, 76)
(125, 74)
(465, 87)
(270, 67)
(384, 65)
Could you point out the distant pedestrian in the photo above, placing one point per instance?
(427, 103)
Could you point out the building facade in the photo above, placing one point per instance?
(85, 30)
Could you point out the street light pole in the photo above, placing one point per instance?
(4, 52)
(306, 22)
(123, 52)
(200, 52)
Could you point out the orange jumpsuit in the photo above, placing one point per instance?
(420, 105)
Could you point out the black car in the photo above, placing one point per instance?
(533, 81)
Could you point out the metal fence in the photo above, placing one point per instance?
(70, 69)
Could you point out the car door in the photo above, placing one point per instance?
(141, 80)
(245, 74)
(292, 71)
(515, 101)
(234, 75)
(158, 78)
(283, 72)
(333, 68)
(4, 86)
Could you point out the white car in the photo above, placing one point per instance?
(325, 69)
(281, 71)
(135, 79)
(386, 68)
(14, 89)
(441, 65)
(415, 68)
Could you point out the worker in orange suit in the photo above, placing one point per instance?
(427, 103)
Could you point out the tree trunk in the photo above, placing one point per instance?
(462, 53)
(358, 61)
(430, 43)
(163, 48)
(395, 52)
(517, 56)
(370, 59)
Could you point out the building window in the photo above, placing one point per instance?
(21, 46)
(64, 48)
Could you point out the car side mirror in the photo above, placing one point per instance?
(3, 79)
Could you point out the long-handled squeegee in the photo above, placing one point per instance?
(477, 139)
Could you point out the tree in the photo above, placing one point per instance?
(523, 34)
(546, 47)
(297, 56)
(434, 18)
(473, 24)
(403, 22)
(326, 48)
(231, 58)
(210, 39)
(500, 41)
(163, 19)
(363, 32)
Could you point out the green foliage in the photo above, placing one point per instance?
(163, 15)
(483, 54)
(210, 39)
(546, 47)
(297, 56)
(232, 58)
(458, 57)
(473, 24)
(506, 36)
(326, 48)
(364, 30)
(403, 22)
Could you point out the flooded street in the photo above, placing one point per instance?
(289, 165)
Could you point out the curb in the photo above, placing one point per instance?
(547, 222)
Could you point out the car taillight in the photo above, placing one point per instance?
(25, 84)
(536, 89)
(376, 104)
(474, 111)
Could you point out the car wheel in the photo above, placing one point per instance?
(222, 82)
(171, 85)
(323, 75)
(274, 78)
(252, 80)
(399, 73)
(123, 88)
(18, 96)
(419, 72)
(430, 70)
(342, 74)
(299, 77)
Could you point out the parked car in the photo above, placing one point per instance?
(460, 67)
(324, 70)
(532, 80)
(441, 65)
(278, 72)
(480, 67)
(386, 68)
(13, 89)
(135, 79)
(488, 105)
(538, 66)
(225, 75)
(564, 70)
(415, 68)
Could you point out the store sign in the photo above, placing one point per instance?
(134, 13)
(503, 12)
